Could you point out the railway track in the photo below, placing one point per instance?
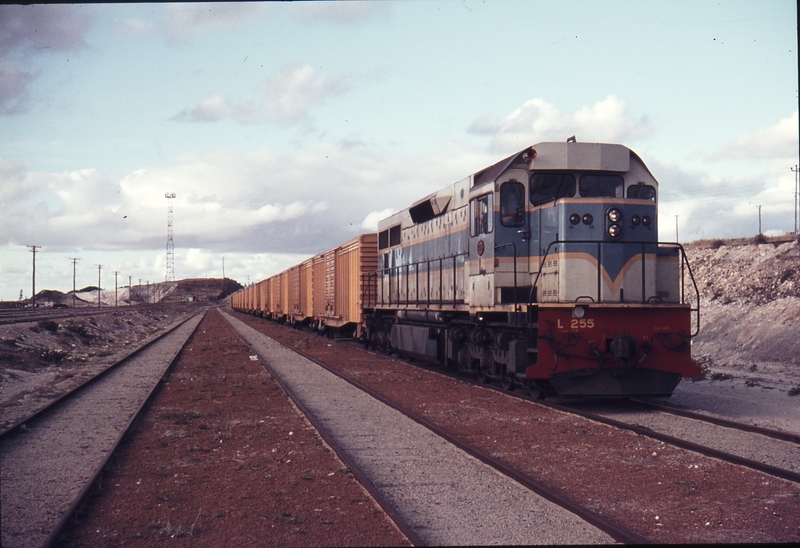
(767, 450)
(50, 459)
(463, 503)
(761, 449)
(11, 316)
(657, 461)
(615, 531)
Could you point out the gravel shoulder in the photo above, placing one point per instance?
(223, 458)
(41, 360)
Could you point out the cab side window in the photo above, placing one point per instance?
(480, 210)
(512, 204)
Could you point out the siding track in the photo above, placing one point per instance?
(50, 459)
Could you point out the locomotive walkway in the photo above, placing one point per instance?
(443, 494)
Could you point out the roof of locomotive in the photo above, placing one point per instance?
(569, 155)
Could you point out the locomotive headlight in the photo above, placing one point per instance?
(646, 220)
(635, 220)
(574, 219)
(588, 219)
(615, 231)
(578, 312)
(614, 215)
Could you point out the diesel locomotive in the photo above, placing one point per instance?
(543, 270)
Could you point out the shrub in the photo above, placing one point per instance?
(50, 325)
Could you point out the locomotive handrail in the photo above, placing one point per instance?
(684, 268)
(380, 296)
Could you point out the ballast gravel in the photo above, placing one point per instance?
(446, 496)
(45, 467)
(660, 492)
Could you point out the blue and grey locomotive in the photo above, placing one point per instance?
(542, 270)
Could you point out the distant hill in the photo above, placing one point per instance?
(189, 290)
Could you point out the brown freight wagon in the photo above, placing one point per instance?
(302, 284)
(345, 282)
(263, 292)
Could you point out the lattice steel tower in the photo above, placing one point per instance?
(170, 244)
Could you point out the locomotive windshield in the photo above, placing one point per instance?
(642, 191)
(601, 186)
(546, 187)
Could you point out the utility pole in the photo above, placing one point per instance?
(796, 192)
(115, 287)
(33, 277)
(223, 268)
(759, 220)
(677, 240)
(99, 268)
(74, 262)
(130, 292)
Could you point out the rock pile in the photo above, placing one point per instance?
(747, 274)
(750, 310)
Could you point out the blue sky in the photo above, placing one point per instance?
(286, 128)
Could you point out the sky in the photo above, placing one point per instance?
(287, 128)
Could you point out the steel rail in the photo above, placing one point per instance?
(37, 414)
(410, 534)
(53, 538)
(769, 432)
(648, 432)
(25, 315)
(617, 532)
(691, 446)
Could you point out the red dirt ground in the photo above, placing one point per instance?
(223, 458)
(663, 493)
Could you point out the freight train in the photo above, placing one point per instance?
(543, 270)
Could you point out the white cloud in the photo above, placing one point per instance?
(15, 89)
(34, 30)
(184, 20)
(370, 222)
(781, 140)
(43, 28)
(255, 202)
(537, 120)
(131, 26)
(286, 98)
(342, 13)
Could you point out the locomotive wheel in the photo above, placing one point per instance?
(537, 391)
(507, 382)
